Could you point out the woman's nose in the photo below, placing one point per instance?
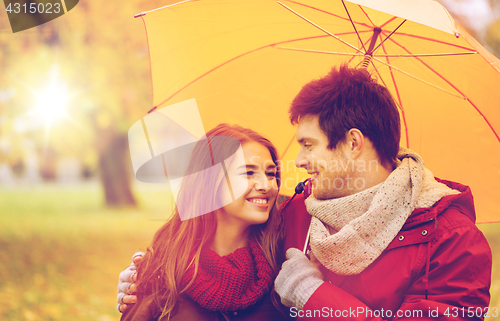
(262, 183)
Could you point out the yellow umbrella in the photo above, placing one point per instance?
(244, 61)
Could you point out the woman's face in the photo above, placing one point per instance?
(253, 185)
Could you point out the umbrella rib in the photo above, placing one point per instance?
(382, 26)
(227, 62)
(434, 40)
(485, 119)
(454, 87)
(421, 80)
(167, 6)
(320, 28)
(287, 147)
(367, 16)
(400, 104)
(430, 55)
(352, 23)
(435, 72)
(395, 56)
(150, 66)
(389, 36)
(326, 12)
(380, 77)
(321, 51)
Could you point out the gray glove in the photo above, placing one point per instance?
(297, 280)
(125, 280)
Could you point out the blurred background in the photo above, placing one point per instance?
(71, 212)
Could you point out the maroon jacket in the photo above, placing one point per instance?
(438, 264)
(187, 310)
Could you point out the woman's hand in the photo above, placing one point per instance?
(126, 284)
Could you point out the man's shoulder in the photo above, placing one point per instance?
(455, 223)
(453, 210)
(462, 202)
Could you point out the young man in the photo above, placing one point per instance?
(387, 239)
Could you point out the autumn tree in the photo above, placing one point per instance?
(100, 50)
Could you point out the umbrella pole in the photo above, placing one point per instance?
(369, 53)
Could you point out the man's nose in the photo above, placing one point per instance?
(301, 160)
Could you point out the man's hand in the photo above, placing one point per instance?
(298, 279)
(126, 285)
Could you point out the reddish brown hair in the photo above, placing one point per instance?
(178, 244)
(351, 98)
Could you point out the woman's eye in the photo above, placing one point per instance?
(271, 174)
(248, 173)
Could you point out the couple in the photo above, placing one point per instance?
(386, 240)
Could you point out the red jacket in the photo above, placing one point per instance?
(439, 251)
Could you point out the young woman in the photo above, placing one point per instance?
(216, 258)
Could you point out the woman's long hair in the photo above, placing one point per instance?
(178, 243)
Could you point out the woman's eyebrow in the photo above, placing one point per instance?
(251, 166)
(271, 166)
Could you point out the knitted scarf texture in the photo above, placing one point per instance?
(349, 233)
(230, 282)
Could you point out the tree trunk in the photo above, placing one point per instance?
(114, 168)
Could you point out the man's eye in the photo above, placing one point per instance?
(271, 174)
(248, 173)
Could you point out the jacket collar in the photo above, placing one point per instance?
(463, 201)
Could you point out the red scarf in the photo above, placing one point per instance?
(230, 282)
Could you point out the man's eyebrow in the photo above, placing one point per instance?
(302, 140)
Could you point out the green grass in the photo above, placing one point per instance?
(61, 251)
(492, 233)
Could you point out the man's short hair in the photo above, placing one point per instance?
(351, 98)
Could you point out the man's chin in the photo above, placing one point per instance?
(322, 195)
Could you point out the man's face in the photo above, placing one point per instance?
(332, 173)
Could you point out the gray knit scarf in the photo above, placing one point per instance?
(349, 233)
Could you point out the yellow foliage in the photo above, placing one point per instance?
(30, 315)
(101, 51)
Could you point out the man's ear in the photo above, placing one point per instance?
(355, 142)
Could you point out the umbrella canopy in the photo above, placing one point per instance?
(244, 61)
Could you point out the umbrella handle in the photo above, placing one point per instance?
(307, 238)
(298, 190)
